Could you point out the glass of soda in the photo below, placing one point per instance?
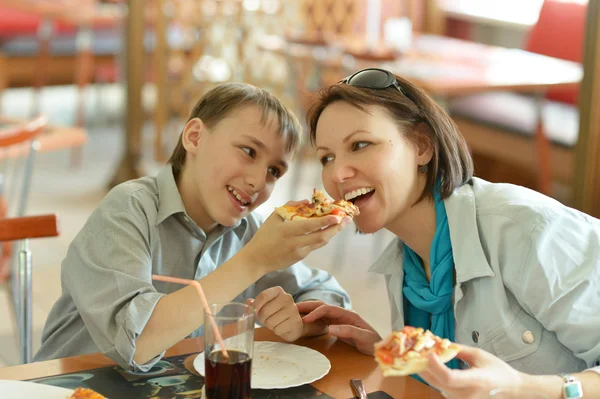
(228, 377)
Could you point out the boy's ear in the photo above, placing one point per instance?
(193, 132)
(424, 146)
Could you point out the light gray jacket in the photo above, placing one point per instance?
(527, 278)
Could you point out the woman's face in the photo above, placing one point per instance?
(368, 160)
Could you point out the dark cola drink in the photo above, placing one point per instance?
(228, 378)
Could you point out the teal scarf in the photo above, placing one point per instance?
(429, 304)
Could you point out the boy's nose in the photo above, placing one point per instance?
(256, 181)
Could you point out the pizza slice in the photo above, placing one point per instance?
(320, 206)
(86, 393)
(406, 352)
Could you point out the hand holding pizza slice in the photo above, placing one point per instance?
(320, 206)
(407, 351)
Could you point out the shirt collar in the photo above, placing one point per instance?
(468, 253)
(169, 199)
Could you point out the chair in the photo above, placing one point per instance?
(22, 229)
(535, 133)
(18, 147)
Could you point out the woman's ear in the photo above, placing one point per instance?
(424, 146)
(193, 132)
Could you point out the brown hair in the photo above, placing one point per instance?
(415, 113)
(225, 98)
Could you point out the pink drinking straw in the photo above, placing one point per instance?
(196, 284)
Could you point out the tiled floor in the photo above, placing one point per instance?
(73, 194)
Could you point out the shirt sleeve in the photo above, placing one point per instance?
(108, 273)
(304, 284)
(559, 283)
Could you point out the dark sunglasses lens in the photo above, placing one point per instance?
(371, 78)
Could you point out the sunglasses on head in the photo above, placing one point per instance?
(373, 78)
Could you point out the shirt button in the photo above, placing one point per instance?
(475, 336)
(528, 337)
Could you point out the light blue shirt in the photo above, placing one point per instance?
(141, 228)
(527, 278)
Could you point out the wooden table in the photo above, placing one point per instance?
(346, 363)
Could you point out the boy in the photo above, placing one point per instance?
(194, 221)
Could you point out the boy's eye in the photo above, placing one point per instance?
(249, 151)
(275, 172)
(326, 159)
(359, 144)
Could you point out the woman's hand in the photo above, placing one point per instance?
(486, 372)
(278, 244)
(345, 324)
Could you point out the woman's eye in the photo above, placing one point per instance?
(359, 144)
(275, 172)
(326, 159)
(249, 151)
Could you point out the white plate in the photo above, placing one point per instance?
(24, 389)
(277, 365)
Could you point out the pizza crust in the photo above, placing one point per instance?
(415, 366)
(288, 214)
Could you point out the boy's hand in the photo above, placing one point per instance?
(276, 310)
(278, 244)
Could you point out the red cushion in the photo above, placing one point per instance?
(559, 33)
(15, 22)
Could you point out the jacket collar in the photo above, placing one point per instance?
(469, 256)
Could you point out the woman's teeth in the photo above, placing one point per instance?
(355, 193)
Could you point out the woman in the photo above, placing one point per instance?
(508, 273)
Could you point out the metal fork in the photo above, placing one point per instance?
(358, 388)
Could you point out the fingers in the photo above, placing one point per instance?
(317, 239)
(274, 306)
(473, 356)
(360, 337)
(267, 296)
(332, 313)
(441, 376)
(318, 327)
(305, 226)
(308, 306)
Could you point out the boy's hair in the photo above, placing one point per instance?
(414, 112)
(225, 98)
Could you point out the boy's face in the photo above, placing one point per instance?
(232, 168)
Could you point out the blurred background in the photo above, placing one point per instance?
(93, 93)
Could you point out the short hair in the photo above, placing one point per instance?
(412, 110)
(225, 98)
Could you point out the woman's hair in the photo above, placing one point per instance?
(225, 98)
(415, 113)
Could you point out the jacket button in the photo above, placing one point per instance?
(475, 336)
(528, 337)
